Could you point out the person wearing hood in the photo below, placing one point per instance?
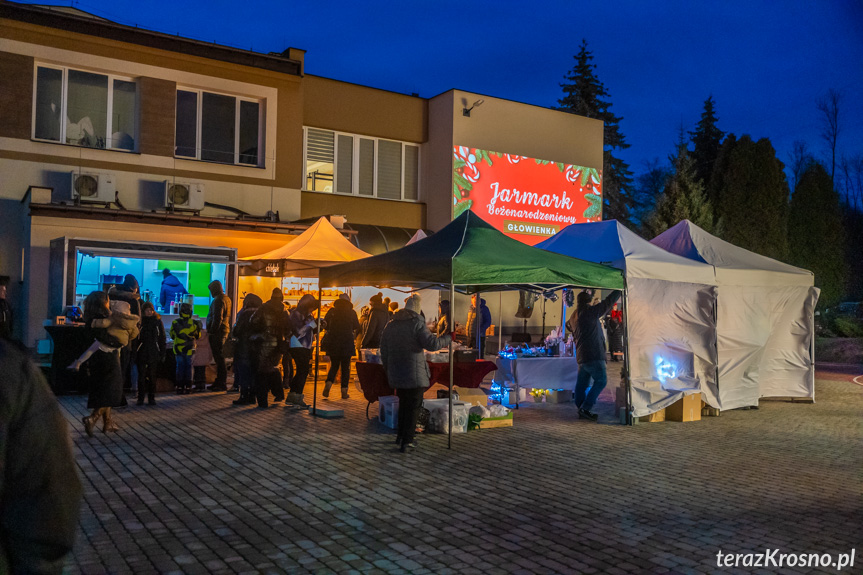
(244, 375)
(483, 322)
(184, 331)
(269, 326)
(303, 327)
(379, 315)
(402, 345)
(171, 290)
(444, 325)
(129, 293)
(218, 328)
(342, 325)
(150, 353)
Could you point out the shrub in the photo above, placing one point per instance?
(847, 327)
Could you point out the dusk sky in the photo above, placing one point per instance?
(765, 62)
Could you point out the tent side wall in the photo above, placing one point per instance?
(671, 343)
(788, 365)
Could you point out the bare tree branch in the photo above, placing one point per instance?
(829, 108)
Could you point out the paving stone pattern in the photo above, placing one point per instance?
(196, 485)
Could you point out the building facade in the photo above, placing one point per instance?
(111, 133)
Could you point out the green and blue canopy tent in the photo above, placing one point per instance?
(468, 255)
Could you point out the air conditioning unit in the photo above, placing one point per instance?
(187, 196)
(95, 187)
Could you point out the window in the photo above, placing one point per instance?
(85, 109)
(351, 164)
(217, 128)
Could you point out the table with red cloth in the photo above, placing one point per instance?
(466, 373)
(372, 376)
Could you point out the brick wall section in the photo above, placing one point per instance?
(16, 95)
(158, 109)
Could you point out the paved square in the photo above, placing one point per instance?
(196, 485)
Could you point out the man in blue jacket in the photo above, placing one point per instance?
(589, 350)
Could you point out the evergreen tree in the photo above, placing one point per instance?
(706, 140)
(585, 95)
(815, 233)
(648, 189)
(751, 196)
(683, 198)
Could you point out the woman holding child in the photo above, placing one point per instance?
(110, 331)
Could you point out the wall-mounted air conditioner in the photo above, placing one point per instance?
(95, 187)
(187, 196)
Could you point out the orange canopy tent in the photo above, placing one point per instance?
(321, 245)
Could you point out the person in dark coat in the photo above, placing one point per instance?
(218, 328)
(6, 323)
(379, 315)
(103, 367)
(342, 325)
(484, 322)
(589, 350)
(402, 345)
(40, 493)
(303, 325)
(244, 374)
(129, 293)
(444, 323)
(150, 353)
(269, 327)
(172, 290)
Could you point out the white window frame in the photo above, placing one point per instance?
(199, 122)
(355, 165)
(64, 93)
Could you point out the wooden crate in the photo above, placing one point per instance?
(492, 422)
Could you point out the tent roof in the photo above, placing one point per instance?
(734, 265)
(319, 246)
(471, 253)
(611, 243)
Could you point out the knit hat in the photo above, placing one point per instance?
(377, 298)
(344, 296)
(413, 303)
(277, 294)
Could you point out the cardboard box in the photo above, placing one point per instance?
(473, 396)
(559, 396)
(686, 409)
(492, 422)
(511, 397)
(653, 417)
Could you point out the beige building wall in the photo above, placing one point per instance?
(500, 126)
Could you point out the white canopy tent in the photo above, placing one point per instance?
(669, 312)
(765, 318)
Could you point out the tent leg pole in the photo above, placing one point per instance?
(626, 358)
(451, 360)
(499, 321)
(317, 354)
